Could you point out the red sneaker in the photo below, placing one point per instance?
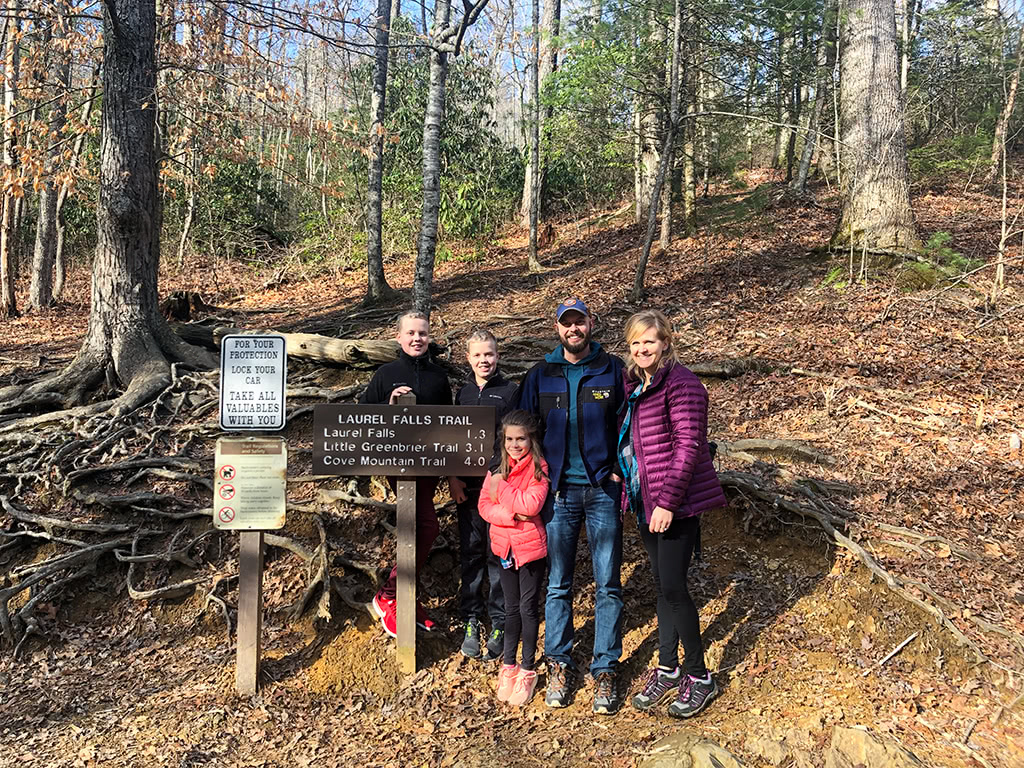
(423, 621)
(386, 609)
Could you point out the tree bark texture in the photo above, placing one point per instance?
(377, 284)
(876, 188)
(8, 239)
(551, 23)
(432, 124)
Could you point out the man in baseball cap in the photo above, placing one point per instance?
(577, 390)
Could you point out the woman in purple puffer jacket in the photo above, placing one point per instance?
(668, 481)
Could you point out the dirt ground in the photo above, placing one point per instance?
(914, 394)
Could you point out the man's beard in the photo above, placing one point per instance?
(576, 347)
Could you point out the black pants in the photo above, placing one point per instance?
(476, 559)
(670, 554)
(522, 587)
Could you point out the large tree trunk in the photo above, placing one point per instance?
(548, 64)
(377, 284)
(876, 187)
(127, 340)
(432, 123)
(670, 134)
(8, 234)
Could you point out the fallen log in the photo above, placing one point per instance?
(356, 353)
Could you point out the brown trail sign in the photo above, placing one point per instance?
(403, 441)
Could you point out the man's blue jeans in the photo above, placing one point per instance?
(566, 513)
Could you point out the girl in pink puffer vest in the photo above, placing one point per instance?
(511, 501)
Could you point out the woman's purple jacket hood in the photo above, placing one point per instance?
(670, 440)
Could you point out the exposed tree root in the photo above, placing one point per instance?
(754, 486)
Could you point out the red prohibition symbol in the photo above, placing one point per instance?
(227, 492)
(226, 514)
(227, 472)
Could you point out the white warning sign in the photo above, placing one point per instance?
(253, 371)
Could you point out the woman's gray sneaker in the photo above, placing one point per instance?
(495, 645)
(658, 684)
(471, 641)
(694, 696)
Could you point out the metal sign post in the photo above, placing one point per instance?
(250, 480)
(403, 441)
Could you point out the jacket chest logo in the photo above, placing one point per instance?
(601, 394)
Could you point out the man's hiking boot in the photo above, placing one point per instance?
(495, 645)
(658, 685)
(558, 684)
(606, 695)
(471, 640)
(694, 696)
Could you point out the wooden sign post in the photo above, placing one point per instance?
(406, 555)
(403, 441)
(250, 612)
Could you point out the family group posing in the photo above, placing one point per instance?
(585, 441)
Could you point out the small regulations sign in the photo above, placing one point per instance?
(249, 486)
(253, 371)
(399, 440)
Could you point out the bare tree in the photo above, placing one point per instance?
(533, 176)
(445, 39)
(876, 211)
(127, 341)
(550, 25)
(8, 232)
(377, 284)
(826, 58)
(45, 251)
(999, 140)
(670, 134)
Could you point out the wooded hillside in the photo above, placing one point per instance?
(824, 197)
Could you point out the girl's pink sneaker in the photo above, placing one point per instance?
(507, 676)
(522, 692)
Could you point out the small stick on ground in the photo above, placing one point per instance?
(891, 653)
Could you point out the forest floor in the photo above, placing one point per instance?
(914, 389)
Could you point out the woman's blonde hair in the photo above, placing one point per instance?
(640, 323)
(531, 423)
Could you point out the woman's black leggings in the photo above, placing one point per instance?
(670, 554)
(521, 587)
